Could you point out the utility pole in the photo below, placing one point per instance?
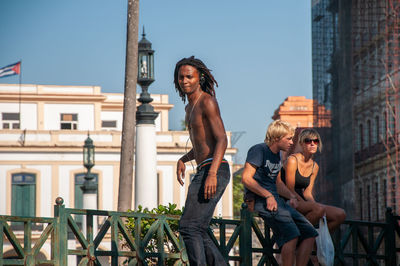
(129, 115)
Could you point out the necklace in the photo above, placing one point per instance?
(191, 111)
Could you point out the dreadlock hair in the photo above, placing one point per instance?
(207, 80)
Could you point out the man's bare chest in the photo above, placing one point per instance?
(194, 120)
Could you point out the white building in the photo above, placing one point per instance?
(42, 132)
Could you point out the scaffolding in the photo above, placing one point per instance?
(375, 84)
(324, 39)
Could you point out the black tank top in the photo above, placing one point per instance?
(300, 182)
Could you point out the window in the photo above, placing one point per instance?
(10, 120)
(393, 193)
(369, 133)
(391, 121)
(377, 201)
(369, 202)
(69, 121)
(386, 126)
(23, 194)
(361, 137)
(377, 140)
(109, 124)
(79, 180)
(360, 201)
(385, 193)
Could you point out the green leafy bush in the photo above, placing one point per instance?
(146, 223)
(238, 191)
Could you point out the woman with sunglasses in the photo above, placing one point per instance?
(299, 175)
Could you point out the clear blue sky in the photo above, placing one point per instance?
(259, 50)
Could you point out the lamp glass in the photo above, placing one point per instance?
(88, 155)
(146, 65)
(151, 65)
(143, 66)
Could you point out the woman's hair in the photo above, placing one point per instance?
(310, 133)
(277, 130)
(207, 80)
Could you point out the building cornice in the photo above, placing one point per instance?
(72, 141)
(56, 98)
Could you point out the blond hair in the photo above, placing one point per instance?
(277, 130)
(310, 133)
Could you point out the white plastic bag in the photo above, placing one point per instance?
(325, 248)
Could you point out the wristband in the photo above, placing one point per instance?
(268, 196)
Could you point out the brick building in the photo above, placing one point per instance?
(300, 112)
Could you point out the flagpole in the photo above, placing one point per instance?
(20, 78)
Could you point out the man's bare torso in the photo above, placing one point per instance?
(201, 135)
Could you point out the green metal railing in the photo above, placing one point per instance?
(27, 254)
(135, 247)
(359, 243)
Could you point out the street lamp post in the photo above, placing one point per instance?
(146, 149)
(89, 187)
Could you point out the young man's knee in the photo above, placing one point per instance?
(308, 241)
(290, 245)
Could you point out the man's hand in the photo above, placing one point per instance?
(210, 186)
(271, 204)
(180, 171)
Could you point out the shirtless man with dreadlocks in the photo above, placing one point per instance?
(194, 82)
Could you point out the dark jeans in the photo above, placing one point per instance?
(286, 222)
(197, 215)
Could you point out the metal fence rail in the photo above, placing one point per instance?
(26, 254)
(359, 243)
(134, 250)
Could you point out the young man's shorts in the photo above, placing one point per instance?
(286, 222)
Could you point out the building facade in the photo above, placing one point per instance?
(300, 112)
(42, 132)
(362, 56)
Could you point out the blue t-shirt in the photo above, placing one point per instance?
(268, 166)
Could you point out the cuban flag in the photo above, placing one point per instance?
(13, 69)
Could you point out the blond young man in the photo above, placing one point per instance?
(261, 176)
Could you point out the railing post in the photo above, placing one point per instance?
(390, 241)
(245, 241)
(29, 259)
(61, 235)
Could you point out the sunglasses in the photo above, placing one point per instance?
(308, 141)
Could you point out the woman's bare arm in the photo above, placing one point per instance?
(308, 191)
(291, 167)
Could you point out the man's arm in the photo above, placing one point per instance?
(282, 188)
(180, 166)
(285, 192)
(212, 114)
(250, 183)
